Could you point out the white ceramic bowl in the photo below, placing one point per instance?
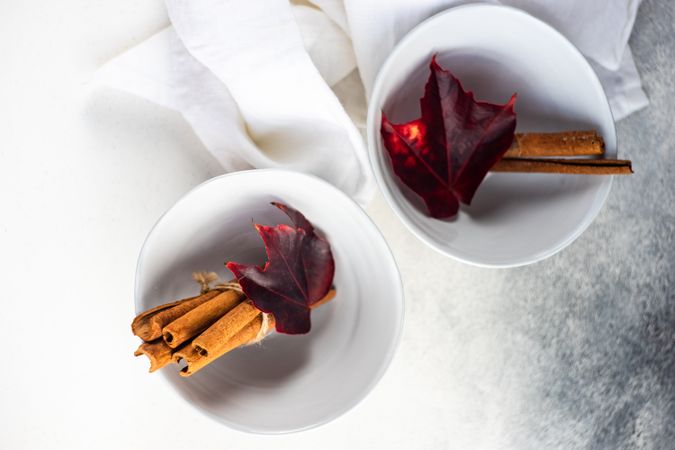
(287, 383)
(514, 219)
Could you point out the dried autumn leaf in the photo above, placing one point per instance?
(298, 273)
(444, 155)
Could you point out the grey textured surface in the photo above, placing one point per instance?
(609, 301)
(630, 277)
(579, 349)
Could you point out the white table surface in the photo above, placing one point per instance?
(574, 352)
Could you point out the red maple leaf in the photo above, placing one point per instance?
(299, 272)
(444, 155)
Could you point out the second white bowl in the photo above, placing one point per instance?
(514, 219)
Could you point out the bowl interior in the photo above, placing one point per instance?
(514, 219)
(286, 383)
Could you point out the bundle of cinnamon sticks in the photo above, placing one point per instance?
(559, 153)
(198, 330)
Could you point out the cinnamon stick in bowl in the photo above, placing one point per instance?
(148, 325)
(565, 166)
(244, 324)
(157, 352)
(564, 143)
(221, 332)
(196, 360)
(200, 318)
(530, 151)
(218, 334)
(208, 331)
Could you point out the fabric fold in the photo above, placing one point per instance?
(290, 112)
(277, 84)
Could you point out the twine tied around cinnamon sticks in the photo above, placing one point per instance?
(198, 330)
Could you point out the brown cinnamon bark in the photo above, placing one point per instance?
(200, 318)
(221, 332)
(565, 166)
(566, 143)
(218, 335)
(157, 352)
(148, 325)
(197, 361)
(185, 352)
(240, 326)
(225, 323)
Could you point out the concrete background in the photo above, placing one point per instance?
(573, 352)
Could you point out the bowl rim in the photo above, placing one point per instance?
(400, 300)
(373, 136)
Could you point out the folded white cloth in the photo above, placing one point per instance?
(269, 83)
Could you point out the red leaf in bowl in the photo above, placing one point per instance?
(299, 272)
(444, 155)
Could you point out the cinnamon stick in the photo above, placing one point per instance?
(185, 352)
(221, 332)
(566, 143)
(148, 325)
(242, 325)
(157, 352)
(200, 318)
(197, 361)
(565, 166)
(218, 335)
(224, 321)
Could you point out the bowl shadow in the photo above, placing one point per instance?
(500, 196)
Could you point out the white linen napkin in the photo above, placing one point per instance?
(599, 28)
(267, 83)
